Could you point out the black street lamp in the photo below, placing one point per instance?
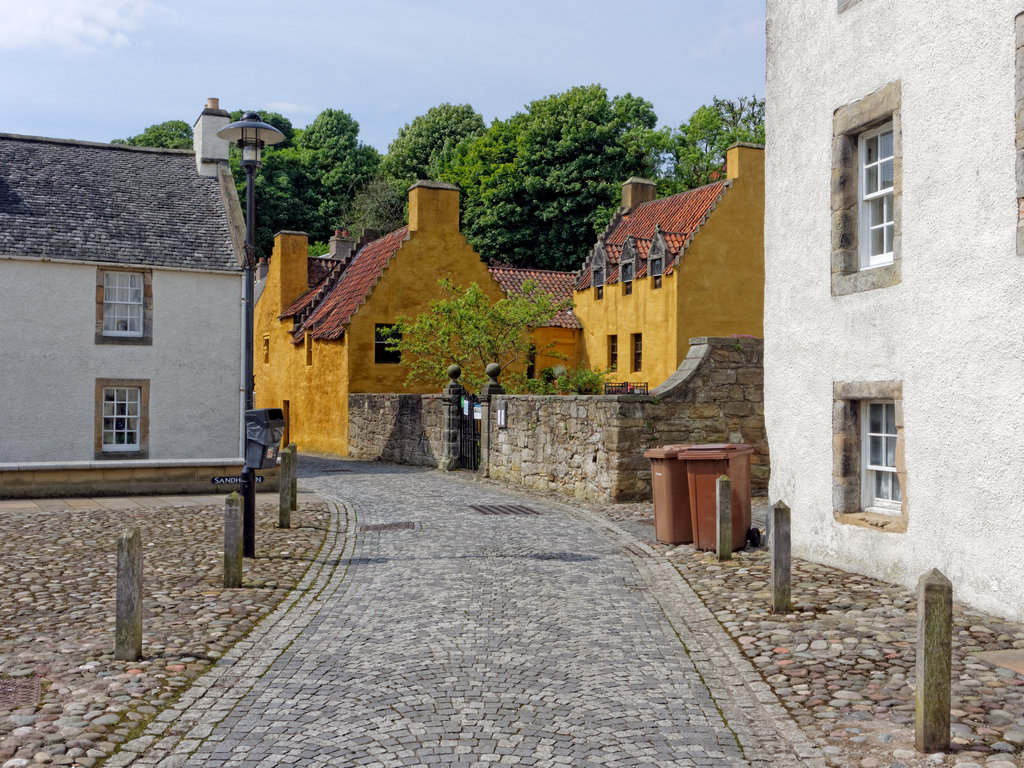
(250, 134)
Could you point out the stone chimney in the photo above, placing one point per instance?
(433, 205)
(636, 191)
(210, 148)
(288, 275)
(340, 245)
(368, 236)
(745, 159)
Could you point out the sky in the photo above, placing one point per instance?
(97, 70)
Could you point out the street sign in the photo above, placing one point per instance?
(232, 480)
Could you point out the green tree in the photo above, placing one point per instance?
(427, 145)
(698, 148)
(466, 329)
(339, 162)
(172, 134)
(539, 185)
(380, 205)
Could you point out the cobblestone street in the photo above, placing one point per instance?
(448, 636)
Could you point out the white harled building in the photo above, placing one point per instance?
(894, 290)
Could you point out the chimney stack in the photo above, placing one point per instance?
(340, 245)
(209, 147)
(636, 191)
(433, 205)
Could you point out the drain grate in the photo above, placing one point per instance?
(22, 692)
(502, 509)
(387, 527)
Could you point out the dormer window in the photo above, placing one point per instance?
(626, 274)
(598, 281)
(655, 266)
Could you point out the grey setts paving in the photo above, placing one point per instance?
(472, 639)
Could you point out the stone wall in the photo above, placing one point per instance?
(589, 447)
(405, 429)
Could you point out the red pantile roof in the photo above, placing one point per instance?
(345, 291)
(558, 284)
(677, 218)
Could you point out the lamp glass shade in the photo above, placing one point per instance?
(250, 129)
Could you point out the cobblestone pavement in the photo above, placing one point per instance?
(843, 662)
(64, 700)
(428, 633)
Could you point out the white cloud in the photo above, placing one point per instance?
(69, 26)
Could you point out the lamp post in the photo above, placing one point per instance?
(250, 134)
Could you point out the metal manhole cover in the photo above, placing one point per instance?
(387, 527)
(502, 509)
(20, 693)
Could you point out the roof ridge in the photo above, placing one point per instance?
(96, 144)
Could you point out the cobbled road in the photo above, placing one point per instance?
(429, 633)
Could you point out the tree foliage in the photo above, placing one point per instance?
(425, 147)
(539, 185)
(466, 329)
(172, 134)
(698, 148)
(379, 205)
(307, 182)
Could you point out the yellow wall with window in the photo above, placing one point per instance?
(317, 393)
(717, 289)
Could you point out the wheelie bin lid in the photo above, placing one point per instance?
(665, 451)
(717, 448)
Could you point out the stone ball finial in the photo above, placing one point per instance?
(454, 371)
(493, 370)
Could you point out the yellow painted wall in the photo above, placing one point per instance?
(717, 290)
(316, 393)
(562, 340)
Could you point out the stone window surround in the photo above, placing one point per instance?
(848, 123)
(143, 452)
(146, 339)
(847, 469)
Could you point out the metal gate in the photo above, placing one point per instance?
(469, 433)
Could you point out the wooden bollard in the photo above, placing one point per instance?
(782, 559)
(723, 526)
(233, 541)
(934, 662)
(293, 480)
(128, 625)
(284, 507)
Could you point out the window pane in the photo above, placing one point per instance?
(890, 418)
(871, 179)
(888, 229)
(875, 451)
(887, 174)
(897, 494)
(871, 150)
(875, 417)
(877, 208)
(886, 144)
(881, 485)
(877, 241)
(890, 451)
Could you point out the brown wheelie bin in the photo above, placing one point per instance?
(672, 519)
(704, 465)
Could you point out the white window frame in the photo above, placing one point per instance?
(875, 194)
(885, 439)
(124, 301)
(121, 416)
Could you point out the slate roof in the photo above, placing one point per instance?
(558, 284)
(676, 219)
(82, 201)
(327, 307)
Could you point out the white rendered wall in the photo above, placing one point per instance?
(49, 363)
(952, 331)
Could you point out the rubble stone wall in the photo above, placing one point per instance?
(590, 447)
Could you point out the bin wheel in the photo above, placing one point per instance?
(754, 537)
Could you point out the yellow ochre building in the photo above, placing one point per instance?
(668, 270)
(318, 319)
